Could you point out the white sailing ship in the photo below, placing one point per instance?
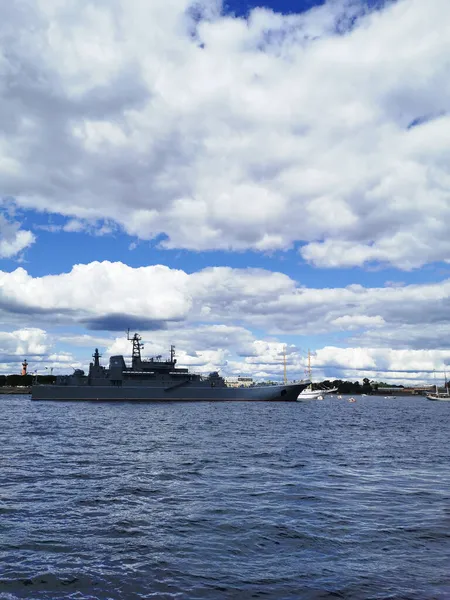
(437, 396)
(313, 394)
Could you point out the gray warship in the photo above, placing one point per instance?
(153, 380)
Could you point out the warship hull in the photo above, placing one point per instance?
(189, 393)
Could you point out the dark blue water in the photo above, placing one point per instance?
(313, 500)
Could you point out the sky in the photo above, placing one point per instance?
(242, 180)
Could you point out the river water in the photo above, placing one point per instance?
(313, 500)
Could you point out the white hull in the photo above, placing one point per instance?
(438, 398)
(308, 394)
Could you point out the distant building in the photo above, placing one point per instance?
(239, 381)
(401, 390)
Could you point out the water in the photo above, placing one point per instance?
(313, 500)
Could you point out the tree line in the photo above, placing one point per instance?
(355, 387)
(346, 387)
(24, 380)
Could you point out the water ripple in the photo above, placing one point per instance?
(319, 500)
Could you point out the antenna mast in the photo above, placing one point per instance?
(96, 356)
(137, 346)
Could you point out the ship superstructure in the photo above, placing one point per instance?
(153, 379)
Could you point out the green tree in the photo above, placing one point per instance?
(366, 387)
(19, 380)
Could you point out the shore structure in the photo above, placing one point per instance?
(15, 390)
(154, 380)
(239, 381)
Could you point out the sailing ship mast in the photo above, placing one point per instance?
(284, 363)
(435, 382)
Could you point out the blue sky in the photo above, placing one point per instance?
(232, 184)
(242, 9)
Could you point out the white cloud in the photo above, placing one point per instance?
(13, 239)
(112, 296)
(417, 335)
(211, 317)
(278, 130)
(352, 322)
(386, 363)
(37, 346)
(97, 289)
(23, 343)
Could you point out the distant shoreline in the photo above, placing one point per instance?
(15, 390)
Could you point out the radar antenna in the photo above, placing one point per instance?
(96, 356)
(137, 346)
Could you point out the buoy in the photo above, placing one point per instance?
(352, 400)
(339, 397)
(319, 397)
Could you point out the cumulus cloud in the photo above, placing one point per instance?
(328, 128)
(113, 296)
(420, 335)
(350, 322)
(213, 315)
(103, 295)
(382, 359)
(37, 346)
(26, 342)
(13, 239)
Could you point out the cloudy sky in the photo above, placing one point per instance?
(233, 178)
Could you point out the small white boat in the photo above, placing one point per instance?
(309, 394)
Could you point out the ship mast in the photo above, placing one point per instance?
(96, 356)
(284, 364)
(309, 364)
(137, 346)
